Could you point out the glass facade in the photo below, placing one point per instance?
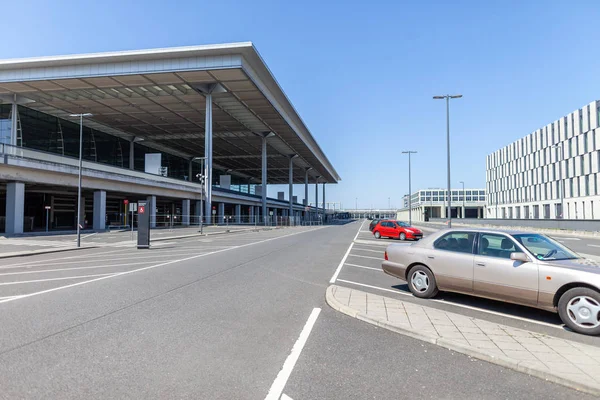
(5, 123)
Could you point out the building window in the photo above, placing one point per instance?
(570, 187)
(587, 185)
(580, 122)
(585, 142)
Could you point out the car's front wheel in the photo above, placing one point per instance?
(421, 282)
(579, 309)
(402, 236)
(377, 235)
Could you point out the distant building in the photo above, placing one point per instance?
(432, 203)
(553, 172)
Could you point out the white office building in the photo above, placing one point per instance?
(433, 203)
(550, 173)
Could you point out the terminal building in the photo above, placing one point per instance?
(433, 203)
(175, 126)
(552, 173)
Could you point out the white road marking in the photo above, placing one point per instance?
(594, 245)
(339, 268)
(460, 305)
(362, 266)
(53, 279)
(357, 255)
(374, 251)
(371, 242)
(87, 236)
(285, 397)
(157, 265)
(283, 375)
(71, 269)
(569, 238)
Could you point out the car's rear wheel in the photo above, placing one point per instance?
(402, 236)
(579, 309)
(421, 282)
(377, 235)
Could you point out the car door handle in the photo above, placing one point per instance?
(432, 257)
(480, 264)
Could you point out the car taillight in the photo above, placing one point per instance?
(385, 256)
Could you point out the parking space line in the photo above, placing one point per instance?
(358, 255)
(459, 305)
(362, 266)
(72, 269)
(374, 251)
(158, 265)
(53, 279)
(290, 362)
(339, 268)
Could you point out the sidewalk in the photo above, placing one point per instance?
(561, 361)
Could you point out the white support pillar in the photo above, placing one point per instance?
(152, 207)
(100, 210)
(221, 213)
(15, 207)
(185, 212)
(324, 204)
(291, 183)
(238, 213)
(317, 196)
(263, 188)
(208, 128)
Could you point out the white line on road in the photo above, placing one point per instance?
(569, 238)
(53, 279)
(362, 266)
(285, 397)
(459, 305)
(371, 242)
(594, 245)
(374, 251)
(159, 265)
(373, 258)
(72, 269)
(283, 375)
(339, 268)
(86, 236)
(361, 225)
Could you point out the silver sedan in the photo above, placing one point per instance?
(513, 266)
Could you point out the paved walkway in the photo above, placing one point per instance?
(562, 361)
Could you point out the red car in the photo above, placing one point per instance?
(397, 230)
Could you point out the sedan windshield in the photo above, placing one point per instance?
(544, 248)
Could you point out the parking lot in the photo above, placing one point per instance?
(33, 275)
(361, 269)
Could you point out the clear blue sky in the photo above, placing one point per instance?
(362, 74)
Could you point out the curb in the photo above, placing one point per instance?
(460, 348)
(44, 251)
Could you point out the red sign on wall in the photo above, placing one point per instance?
(141, 209)
(125, 201)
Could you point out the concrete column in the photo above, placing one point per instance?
(131, 154)
(306, 187)
(238, 213)
(83, 216)
(208, 155)
(264, 175)
(317, 196)
(185, 212)
(198, 211)
(291, 184)
(100, 210)
(324, 204)
(221, 213)
(251, 214)
(15, 207)
(152, 206)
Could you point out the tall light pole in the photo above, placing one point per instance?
(448, 97)
(79, 226)
(463, 196)
(562, 182)
(409, 152)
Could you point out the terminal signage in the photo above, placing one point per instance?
(143, 237)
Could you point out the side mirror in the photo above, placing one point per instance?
(519, 256)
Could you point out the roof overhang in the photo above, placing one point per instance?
(158, 96)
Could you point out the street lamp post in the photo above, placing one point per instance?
(562, 182)
(79, 226)
(448, 97)
(409, 152)
(463, 196)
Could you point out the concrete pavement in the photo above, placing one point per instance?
(558, 360)
(219, 318)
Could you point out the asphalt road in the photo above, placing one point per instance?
(218, 318)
